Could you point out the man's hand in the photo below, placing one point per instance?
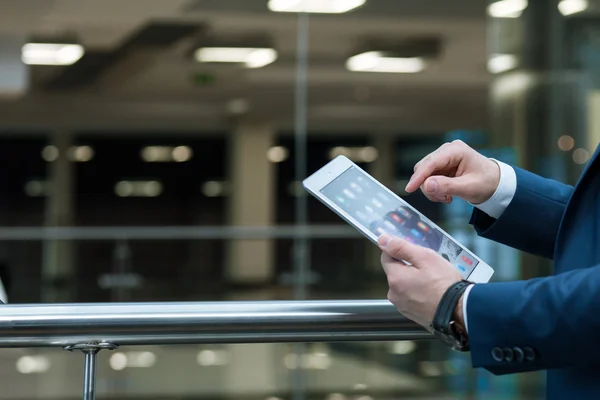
(455, 169)
(416, 289)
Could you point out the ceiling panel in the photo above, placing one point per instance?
(154, 82)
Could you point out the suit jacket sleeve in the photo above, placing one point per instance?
(530, 222)
(553, 321)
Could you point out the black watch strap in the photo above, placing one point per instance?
(443, 325)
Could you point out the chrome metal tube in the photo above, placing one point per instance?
(89, 375)
(124, 324)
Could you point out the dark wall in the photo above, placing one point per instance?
(171, 269)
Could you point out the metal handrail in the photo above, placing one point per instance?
(60, 325)
(91, 328)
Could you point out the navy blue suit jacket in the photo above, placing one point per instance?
(550, 323)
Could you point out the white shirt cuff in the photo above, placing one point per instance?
(464, 305)
(495, 205)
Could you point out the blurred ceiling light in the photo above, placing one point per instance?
(403, 347)
(368, 154)
(138, 188)
(208, 358)
(375, 61)
(319, 361)
(507, 8)
(75, 153)
(499, 63)
(81, 153)
(315, 6)
(291, 361)
(277, 154)
(51, 53)
(250, 57)
(509, 84)
(50, 153)
(157, 154)
(365, 154)
(360, 386)
(124, 189)
(340, 151)
(569, 7)
(310, 361)
(140, 359)
(566, 142)
(181, 153)
(132, 359)
(36, 188)
(581, 156)
(151, 188)
(118, 361)
(33, 364)
(214, 188)
(166, 153)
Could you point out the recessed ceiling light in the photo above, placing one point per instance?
(181, 153)
(277, 154)
(569, 7)
(33, 364)
(214, 189)
(507, 8)
(501, 63)
(50, 153)
(366, 154)
(375, 61)
(51, 53)
(249, 56)
(81, 153)
(138, 188)
(315, 6)
(166, 153)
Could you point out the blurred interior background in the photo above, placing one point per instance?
(153, 132)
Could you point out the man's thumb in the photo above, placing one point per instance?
(402, 250)
(442, 186)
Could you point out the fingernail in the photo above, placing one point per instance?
(408, 184)
(432, 186)
(384, 240)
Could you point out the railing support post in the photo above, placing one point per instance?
(90, 350)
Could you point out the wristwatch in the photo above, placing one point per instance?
(443, 326)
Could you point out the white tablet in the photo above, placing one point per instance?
(373, 209)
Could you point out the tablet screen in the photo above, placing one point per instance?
(366, 201)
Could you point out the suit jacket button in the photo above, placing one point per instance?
(519, 355)
(529, 354)
(498, 354)
(509, 355)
